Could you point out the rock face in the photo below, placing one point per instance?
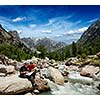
(41, 85)
(91, 37)
(14, 85)
(56, 75)
(11, 37)
(89, 71)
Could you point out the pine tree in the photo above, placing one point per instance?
(74, 49)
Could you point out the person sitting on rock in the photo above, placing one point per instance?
(25, 73)
(31, 66)
(24, 70)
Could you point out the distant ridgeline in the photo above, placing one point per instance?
(12, 46)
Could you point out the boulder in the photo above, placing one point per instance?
(53, 65)
(2, 68)
(34, 59)
(73, 68)
(56, 75)
(41, 85)
(98, 54)
(14, 85)
(2, 74)
(7, 69)
(89, 71)
(10, 69)
(71, 61)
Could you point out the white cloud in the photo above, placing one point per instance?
(32, 25)
(80, 30)
(46, 31)
(18, 19)
(58, 35)
(92, 20)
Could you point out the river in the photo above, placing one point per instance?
(76, 85)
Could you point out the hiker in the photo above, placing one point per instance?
(25, 72)
(31, 66)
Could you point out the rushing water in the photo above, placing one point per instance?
(77, 85)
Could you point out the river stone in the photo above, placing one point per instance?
(2, 68)
(71, 61)
(89, 71)
(73, 68)
(98, 54)
(10, 69)
(28, 94)
(41, 84)
(56, 75)
(36, 91)
(14, 85)
(7, 69)
(2, 74)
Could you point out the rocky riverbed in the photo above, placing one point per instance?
(74, 76)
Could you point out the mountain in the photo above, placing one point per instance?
(12, 46)
(51, 45)
(91, 37)
(11, 37)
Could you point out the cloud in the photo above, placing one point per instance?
(46, 31)
(58, 35)
(92, 20)
(18, 19)
(32, 25)
(80, 30)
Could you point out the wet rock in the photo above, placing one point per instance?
(41, 84)
(14, 85)
(56, 75)
(89, 71)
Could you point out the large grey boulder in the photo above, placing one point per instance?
(56, 75)
(89, 71)
(14, 85)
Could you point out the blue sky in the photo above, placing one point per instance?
(61, 23)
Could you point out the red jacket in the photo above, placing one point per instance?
(31, 66)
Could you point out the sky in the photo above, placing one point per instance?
(64, 23)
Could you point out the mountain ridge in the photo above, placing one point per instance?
(49, 44)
